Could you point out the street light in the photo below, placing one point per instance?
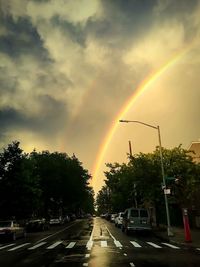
(162, 169)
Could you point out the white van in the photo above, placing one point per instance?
(136, 220)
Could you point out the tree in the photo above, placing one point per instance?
(139, 182)
(19, 191)
(42, 184)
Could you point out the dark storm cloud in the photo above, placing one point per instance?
(125, 22)
(76, 33)
(21, 38)
(10, 117)
(7, 85)
(178, 8)
(126, 18)
(47, 121)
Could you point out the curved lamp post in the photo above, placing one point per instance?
(169, 232)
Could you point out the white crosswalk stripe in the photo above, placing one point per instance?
(153, 245)
(71, 245)
(54, 245)
(37, 245)
(104, 244)
(170, 245)
(135, 244)
(10, 245)
(20, 246)
(117, 244)
(89, 244)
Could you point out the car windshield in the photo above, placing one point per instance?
(134, 213)
(143, 213)
(5, 224)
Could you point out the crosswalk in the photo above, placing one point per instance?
(88, 245)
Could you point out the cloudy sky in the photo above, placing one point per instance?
(69, 68)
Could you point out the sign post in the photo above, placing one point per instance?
(186, 226)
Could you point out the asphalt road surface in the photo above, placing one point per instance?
(94, 243)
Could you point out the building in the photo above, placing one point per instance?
(195, 151)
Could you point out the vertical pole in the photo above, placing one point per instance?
(186, 226)
(130, 148)
(135, 191)
(164, 184)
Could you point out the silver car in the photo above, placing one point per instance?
(119, 219)
(11, 229)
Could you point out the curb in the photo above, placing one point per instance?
(167, 239)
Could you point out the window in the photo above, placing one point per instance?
(134, 213)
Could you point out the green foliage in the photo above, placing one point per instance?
(139, 181)
(42, 184)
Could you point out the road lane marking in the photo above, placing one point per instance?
(89, 244)
(20, 246)
(125, 254)
(87, 255)
(132, 264)
(57, 232)
(54, 245)
(71, 245)
(153, 245)
(171, 246)
(38, 245)
(104, 244)
(7, 246)
(85, 264)
(135, 244)
(117, 244)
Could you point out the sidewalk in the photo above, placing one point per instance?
(179, 236)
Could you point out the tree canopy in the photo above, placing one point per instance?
(139, 182)
(42, 183)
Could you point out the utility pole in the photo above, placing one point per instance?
(135, 191)
(130, 149)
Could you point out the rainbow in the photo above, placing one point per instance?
(138, 92)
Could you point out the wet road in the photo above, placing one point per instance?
(95, 243)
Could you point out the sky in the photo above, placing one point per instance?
(70, 69)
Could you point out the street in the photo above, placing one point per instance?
(94, 242)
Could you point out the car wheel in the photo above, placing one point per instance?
(14, 236)
(127, 231)
(24, 234)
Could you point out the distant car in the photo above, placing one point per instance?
(66, 219)
(72, 217)
(56, 221)
(119, 219)
(34, 225)
(108, 216)
(11, 229)
(113, 216)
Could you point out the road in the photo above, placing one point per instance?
(94, 243)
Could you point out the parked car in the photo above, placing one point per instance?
(56, 221)
(119, 219)
(34, 225)
(108, 216)
(11, 229)
(66, 219)
(112, 217)
(136, 220)
(72, 217)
